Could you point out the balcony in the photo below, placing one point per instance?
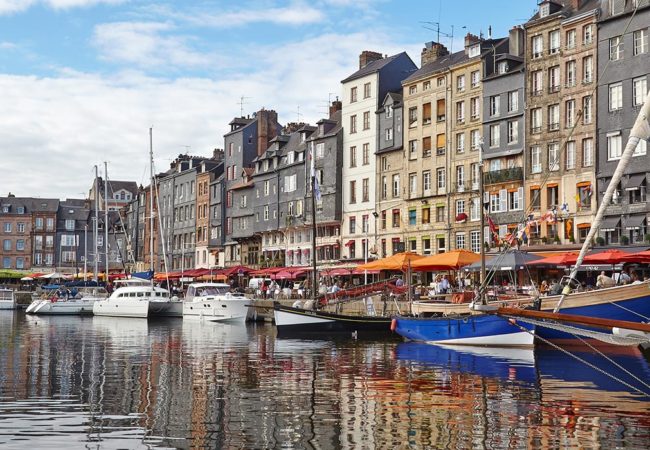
(504, 175)
(554, 89)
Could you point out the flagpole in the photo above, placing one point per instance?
(313, 222)
(482, 223)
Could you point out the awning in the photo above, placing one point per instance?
(583, 225)
(349, 243)
(634, 222)
(635, 181)
(610, 223)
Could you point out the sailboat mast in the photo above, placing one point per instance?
(481, 233)
(314, 283)
(640, 130)
(96, 226)
(151, 192)
(106, 217)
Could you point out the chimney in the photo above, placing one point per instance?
(575, 4)
(516, 41)
(267, 129)
(217, 154)
(367, 56)
(292, 127)
(431, 52)
(335, 107)
(471, 39)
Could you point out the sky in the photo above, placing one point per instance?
(82, 81)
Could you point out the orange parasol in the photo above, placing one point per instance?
(446, 261)
(639, 257)
(613, 256)
(398, 261)
(561, 259)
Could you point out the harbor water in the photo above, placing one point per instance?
(100, 382)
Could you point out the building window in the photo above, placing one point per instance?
(460, 207)
(513, 132)
(440, 214)
(396, 218)
(426, 85)
(535, 159)
(536, 82)
(20, 227)
(554, 79)
(396, 190)
(615, 96)
(460, 142)
(364, 223)
(587, 34)
(513, 101)
(460, 240)
(588, 69)
(570, 73)
(587, 115)
(616, 48)
(554, 42)
(389, 111)
(353, 156)
(353, 94)
(502, 67)
(460, 112)
(426, 146)
(389, 134)
(552, 196)
(537, 46)
(641, 148)
(440, 110)
(460, 83)
(475, 241)
(639, 90)
(353, 225)
(495, 132)
(536, 120)
(6, 245)
(474, 209)
(353, 191)
(426, 215)
(413, 216)
(426, 182)
(614, 149)
(413, 116)
(366, 90)
(569, 113)
(554, 117)
(571, 39)
(366, 154)
(587, 152)
(475, 108)
(570, 155)
(553, 156)
(365, 189)
(384, 188)
(441, 179)
(460, 178)
(426, 114)
(266, 212)
(535, 198)
(495, 103)
(474, 139)
(366, 120)
(413, 149)
(475, 78)
(641, 41)
(584, 195)
(7, 227)
(413, 184)
(353, 124)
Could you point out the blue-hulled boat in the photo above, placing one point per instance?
(474, 329)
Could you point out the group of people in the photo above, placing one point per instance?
(626, 276)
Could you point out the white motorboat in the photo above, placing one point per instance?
(7, 299)
(214, 302)
(134, 298)
(79, 303)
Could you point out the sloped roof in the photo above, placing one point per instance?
(436, 66)
(372, 67)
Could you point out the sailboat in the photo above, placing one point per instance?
(138, 297)
(620, 309)
(467, 327)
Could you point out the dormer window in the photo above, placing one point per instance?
(502, 67)
(20, 210)
(474, 50)
(389, 111)
(544, 9)
(303, 137)
(291, 157)
(5, 208)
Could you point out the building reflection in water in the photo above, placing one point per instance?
(190, 384)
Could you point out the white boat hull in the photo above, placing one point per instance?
(162, 308)
(122, 307)
(217, 310)
(523, 339)
(7, 305)
(288, 319)
(65, 307)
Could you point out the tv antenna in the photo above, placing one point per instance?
(435, 26)
(298, 113)
(242, 101)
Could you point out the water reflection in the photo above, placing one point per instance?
(126, 383)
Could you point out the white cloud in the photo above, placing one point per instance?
(15, 6)
(145, 44)
(7, 45)
(294, 14)
(55, 129)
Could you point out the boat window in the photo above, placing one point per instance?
(120, 295)
(131, 294)
(164, 294)
(191, 291)
(140, 294)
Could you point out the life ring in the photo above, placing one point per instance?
(393, 325)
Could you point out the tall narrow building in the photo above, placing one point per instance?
(363, 93)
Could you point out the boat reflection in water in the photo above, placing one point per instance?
(71, 382)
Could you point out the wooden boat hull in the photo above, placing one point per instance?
(476, 329)
(298, 322)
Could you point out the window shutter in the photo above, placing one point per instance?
(503, 200)
(521, 197)
(440, 106)
(440, 141)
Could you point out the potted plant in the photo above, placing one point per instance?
(647, 238)
(556, 240)
(600, 241)
(544, 240)
(625, 240)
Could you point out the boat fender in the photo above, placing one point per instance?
(393, 325)
(566, 290)
(512, 321)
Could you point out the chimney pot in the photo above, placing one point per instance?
(431, 52)
(368, 56)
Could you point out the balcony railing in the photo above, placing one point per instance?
(504, 175)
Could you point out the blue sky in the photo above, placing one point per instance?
(83, 80)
